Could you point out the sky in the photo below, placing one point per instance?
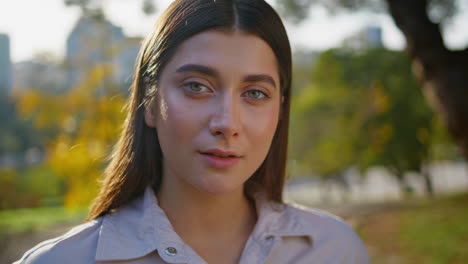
(43, 26)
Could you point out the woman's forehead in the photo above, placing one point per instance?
(227, 51)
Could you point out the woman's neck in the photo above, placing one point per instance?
(196, 214)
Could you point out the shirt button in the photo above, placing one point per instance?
(170, 251)
(270, 237)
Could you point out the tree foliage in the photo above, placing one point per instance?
(441, 72)
(362, 109)
(89, 119)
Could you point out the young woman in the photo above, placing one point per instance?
(197, 175)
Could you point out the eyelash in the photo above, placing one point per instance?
(189, 86)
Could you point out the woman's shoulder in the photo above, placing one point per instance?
(76, 246)
(311, 218)
(327, 231)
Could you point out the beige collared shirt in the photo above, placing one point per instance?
(141, 233)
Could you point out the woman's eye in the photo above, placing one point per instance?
(196, 87)
(256, 94)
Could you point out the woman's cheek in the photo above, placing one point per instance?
(183, 114)
(263, 123)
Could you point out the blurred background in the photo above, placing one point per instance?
(379, 118)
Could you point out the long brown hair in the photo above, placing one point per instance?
(137, 158)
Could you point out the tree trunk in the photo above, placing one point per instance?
(429, 187)
(442, 73)
(406, 190)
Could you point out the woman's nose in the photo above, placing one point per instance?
(225, 120)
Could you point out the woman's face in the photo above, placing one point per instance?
(216, 111)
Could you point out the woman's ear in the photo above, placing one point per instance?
(282, 99)
(150, 115)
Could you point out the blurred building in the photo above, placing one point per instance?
(39, 73)
(373, 36)
(125, 59)
(96, 41)
(369, 37)
(92, 42)
(5, 65)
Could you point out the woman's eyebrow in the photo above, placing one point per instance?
(205, 70)
(260, 78)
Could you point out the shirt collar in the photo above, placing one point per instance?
(140, 227)
(281, 220)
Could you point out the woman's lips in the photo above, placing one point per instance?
(219, 162)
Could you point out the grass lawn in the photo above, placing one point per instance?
(24, 220)
(429, 232)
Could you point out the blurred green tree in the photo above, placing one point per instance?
(443, 73)
(397, 134)
(319, 113)
(362, 109)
